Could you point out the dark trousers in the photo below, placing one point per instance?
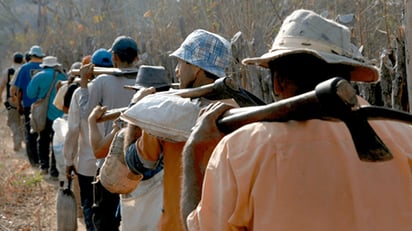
(86, 199)
(44, 144)
(106, 209)
(31, 139)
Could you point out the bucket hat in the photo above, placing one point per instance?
(307, 32)
(151, 76)
(102, 58)
(49, 61)
(206, 50)
(36, 51)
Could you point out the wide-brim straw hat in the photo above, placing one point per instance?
(307, 32)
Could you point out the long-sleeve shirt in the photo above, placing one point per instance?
(109, 91)
(305, 176)
(77, 149)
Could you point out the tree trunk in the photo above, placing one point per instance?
(408, 43)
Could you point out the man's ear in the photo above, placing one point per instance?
(115, 58)
(277, 86)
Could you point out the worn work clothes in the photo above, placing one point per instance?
(24, 75)
(77, 148)
(40, 85)
(305, 176)
(150, 150)
(109, 91)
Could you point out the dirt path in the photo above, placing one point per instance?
(27, 199)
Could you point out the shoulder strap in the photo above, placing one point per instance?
(52, 84)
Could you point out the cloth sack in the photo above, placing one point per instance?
(66, 210)
(59, 98)
(38, 115)
(114, 174)
(142, 208)
(60, 128)
(169, 117)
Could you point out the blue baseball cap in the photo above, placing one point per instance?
(102, 58)
(36, 51)
(209, 51)
(125, 45)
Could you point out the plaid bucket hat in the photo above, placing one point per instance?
(307, 32)
(206, 50)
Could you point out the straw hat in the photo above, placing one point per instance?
(307, 32)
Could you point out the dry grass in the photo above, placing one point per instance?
(27, 200)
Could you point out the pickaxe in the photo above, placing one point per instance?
(334, 99)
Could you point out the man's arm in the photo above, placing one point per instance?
(3, 83)
(196, 154)
(100, 144)
(72, 136)
(86, 73)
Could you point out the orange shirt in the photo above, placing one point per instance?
(305, 176)
(150, 149)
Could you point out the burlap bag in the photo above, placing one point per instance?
(114, 174)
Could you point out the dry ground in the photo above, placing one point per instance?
(27, 199)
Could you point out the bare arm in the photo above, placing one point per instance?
(133, 132)
(99, 143)
(196, 154)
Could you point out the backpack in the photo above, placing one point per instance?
(10, 73)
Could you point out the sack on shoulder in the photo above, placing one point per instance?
(38, 115)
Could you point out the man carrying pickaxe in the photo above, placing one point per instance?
(325, 167)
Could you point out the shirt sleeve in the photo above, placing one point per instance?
(33, 89)
(71, 140)
(219, 188)
(90, 97)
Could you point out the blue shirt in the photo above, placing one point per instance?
(39, 86)
(24, 75)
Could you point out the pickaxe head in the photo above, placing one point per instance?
(338, 100)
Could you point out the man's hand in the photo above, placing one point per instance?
(70, 170)
(97, 113)
(86, 74)
(206, 132)
(140, 94)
